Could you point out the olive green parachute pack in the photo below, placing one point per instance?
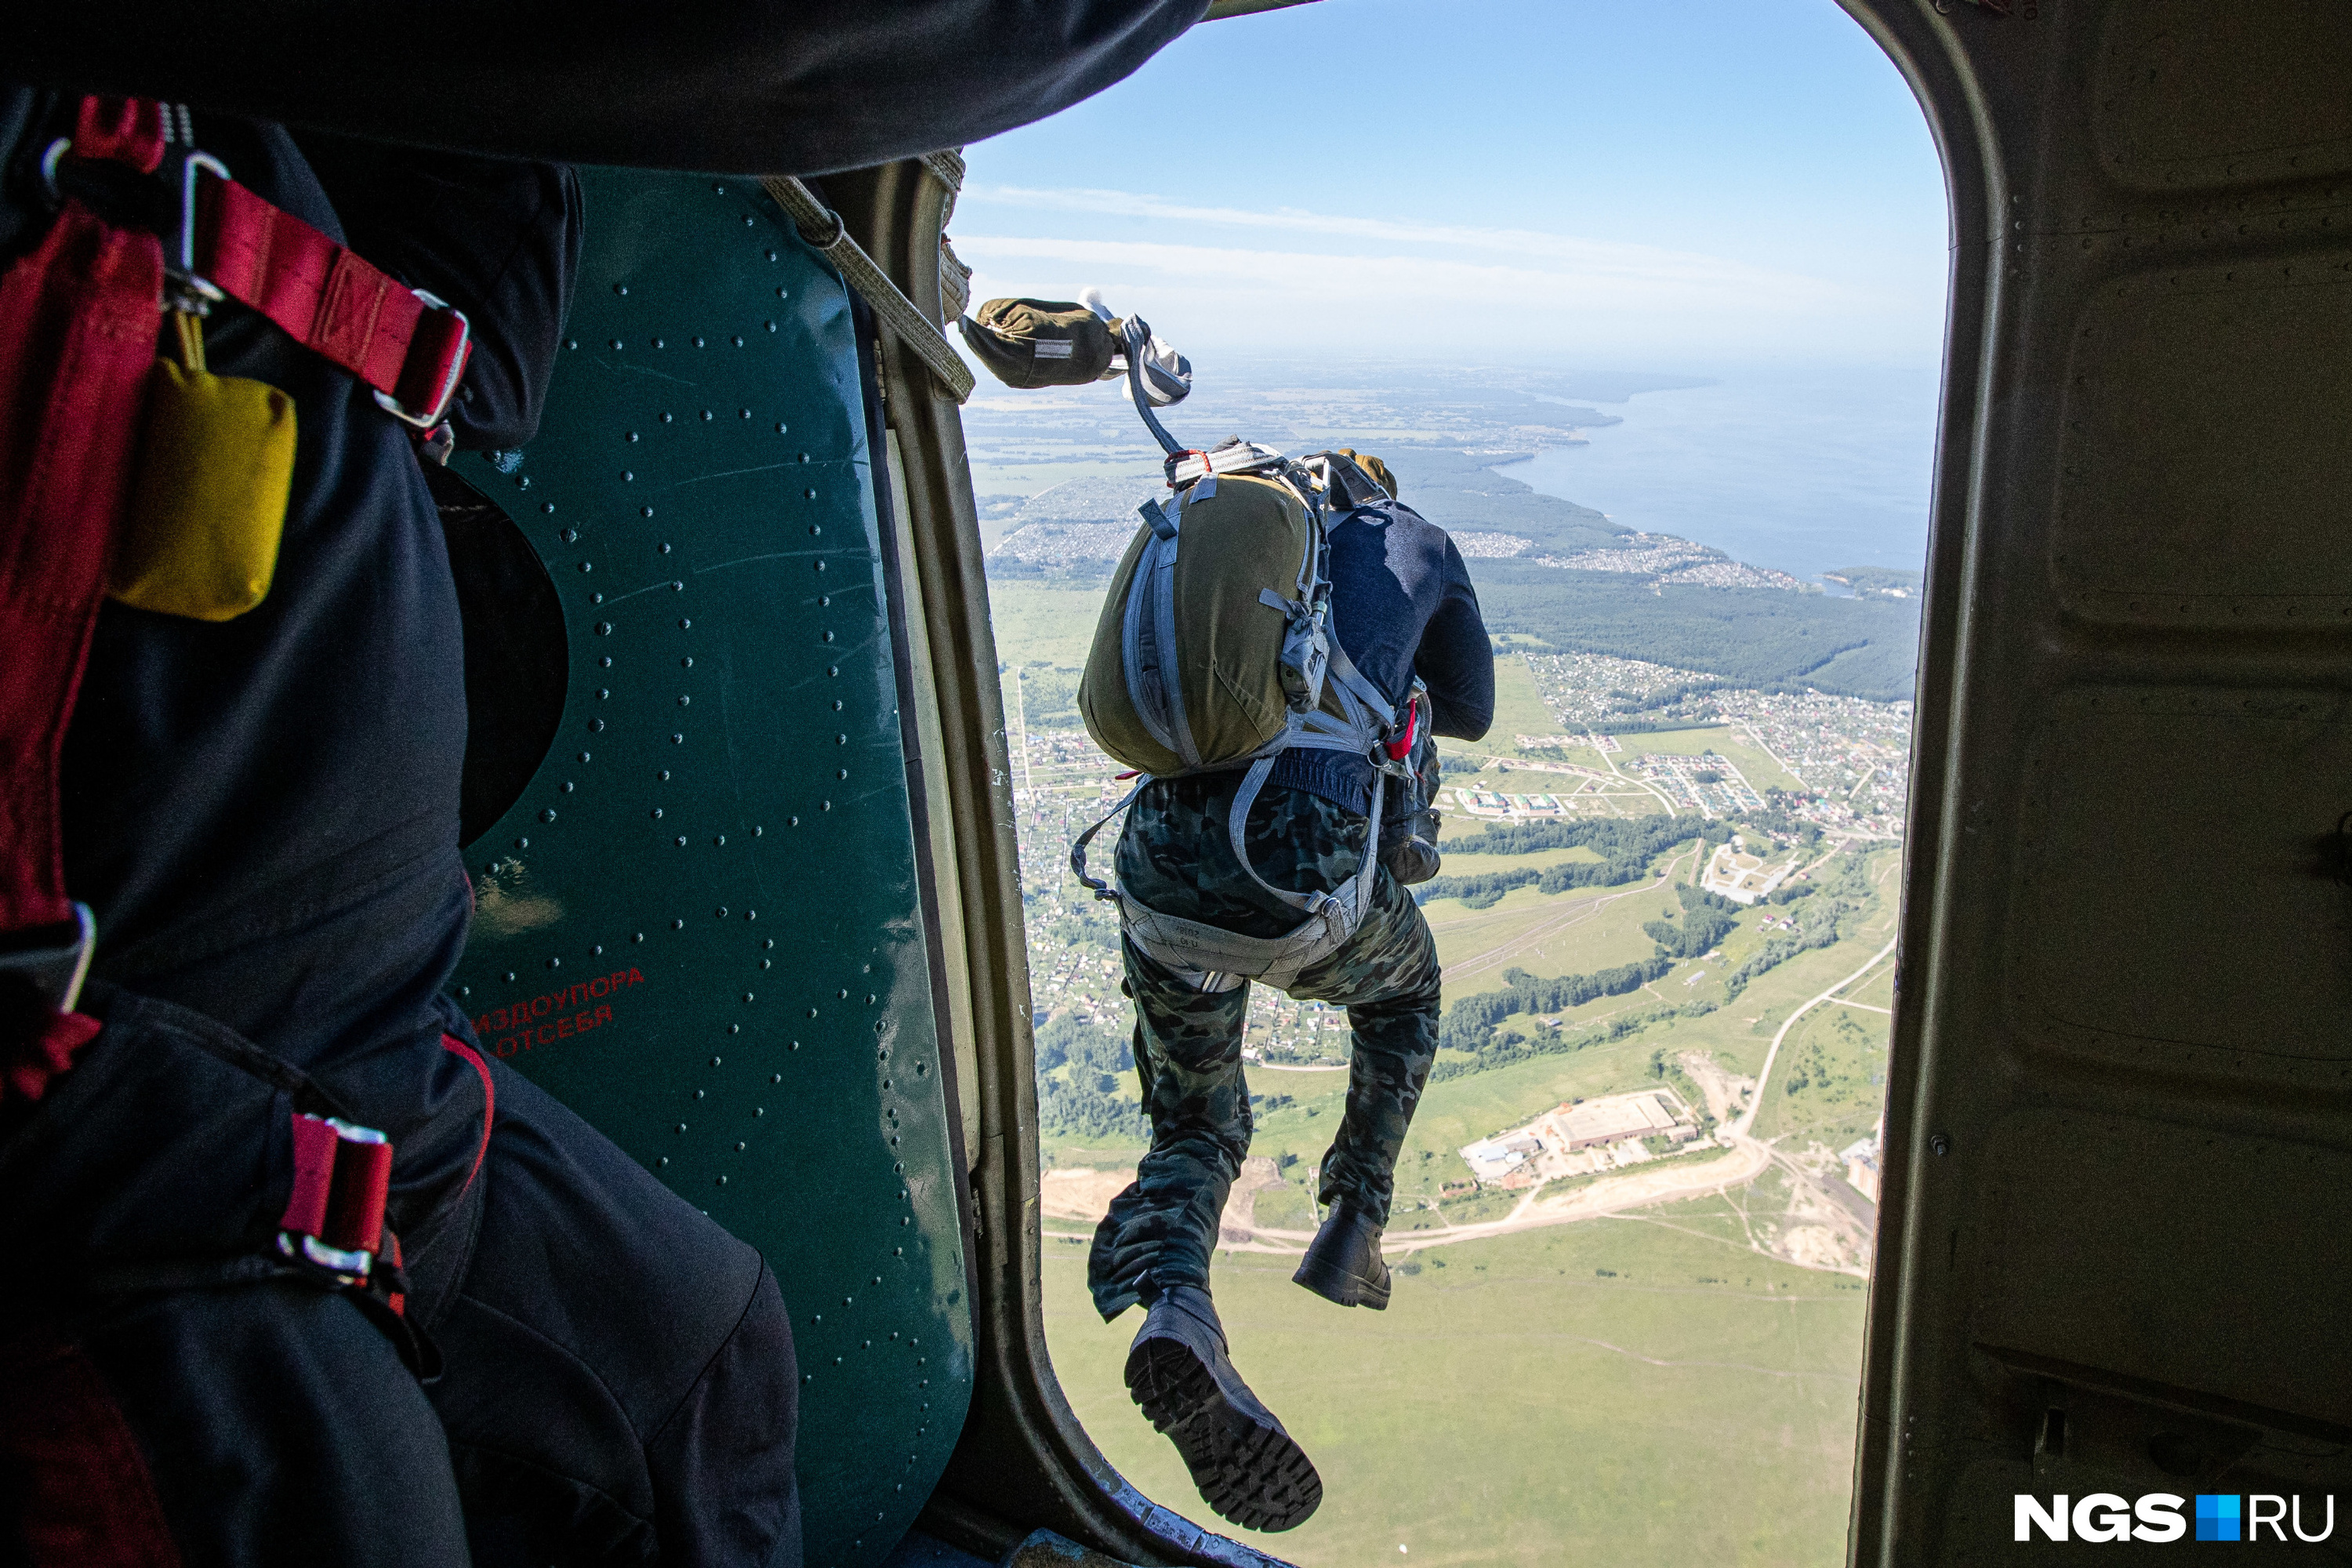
(1029, 343)
(1216, 651)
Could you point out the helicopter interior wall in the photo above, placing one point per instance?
(2113, 1225)
(702, 920)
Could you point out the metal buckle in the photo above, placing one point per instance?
(51, 158)
(348, 1268)
(440, 409)
(196, 294)
(55, 969)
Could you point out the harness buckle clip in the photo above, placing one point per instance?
(190, 291)
(54, 967)
(426, 419)
(334, 1216)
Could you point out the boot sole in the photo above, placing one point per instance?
(1248, 1471)
(1335, 1284)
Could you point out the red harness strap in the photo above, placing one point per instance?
(406, 344)
(1410, 735)
(77, 324)
(80, 1493)
(77, 328)
(457, 1047)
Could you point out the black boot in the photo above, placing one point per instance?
(1246, 1465)
(1343, 1262)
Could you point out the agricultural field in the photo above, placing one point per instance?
(1544, 933)
(1640, 1389)
(1041, 623)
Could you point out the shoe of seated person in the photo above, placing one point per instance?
(1343, 1263)
(1246, 1465)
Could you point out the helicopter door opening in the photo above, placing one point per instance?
(1634, 1218)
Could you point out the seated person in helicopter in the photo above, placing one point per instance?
(296, 1273)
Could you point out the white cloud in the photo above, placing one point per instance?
(1588, 257)
(1575, 296)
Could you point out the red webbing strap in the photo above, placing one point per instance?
(457, 1047)
(80, 1491)
(78, 323)
(1402, 747)
(327, 297)
(340, 1185)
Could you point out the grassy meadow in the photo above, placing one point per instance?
(1641, 1390)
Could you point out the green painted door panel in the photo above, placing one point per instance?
(699, 925)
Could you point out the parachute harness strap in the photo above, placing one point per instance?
(822, 228)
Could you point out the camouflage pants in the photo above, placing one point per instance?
(1175, 856)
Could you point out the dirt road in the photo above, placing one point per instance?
(1764, 1076)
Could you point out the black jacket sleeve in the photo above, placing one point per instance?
(767, 87)
(1456, 660)
(498, 239)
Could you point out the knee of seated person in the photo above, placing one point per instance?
(634, 1240)
(242, 1401)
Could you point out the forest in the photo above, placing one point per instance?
(1762, 638)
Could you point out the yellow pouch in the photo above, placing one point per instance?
(208, 503)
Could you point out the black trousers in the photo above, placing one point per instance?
(616, 1383)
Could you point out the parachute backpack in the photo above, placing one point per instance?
(1216, 650)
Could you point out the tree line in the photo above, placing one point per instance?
(1084, 1102)
(1706, 920)
(1468, 1024)
(1626, 848)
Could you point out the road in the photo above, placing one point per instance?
(1611, 1195)
(1764, 1077)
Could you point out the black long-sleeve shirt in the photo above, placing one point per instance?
(263, 812)
(1401, 605)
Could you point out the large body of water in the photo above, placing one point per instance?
(1806, 473)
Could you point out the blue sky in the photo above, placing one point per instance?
(1664, 184)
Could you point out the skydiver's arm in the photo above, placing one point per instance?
(1456, 660)
(498, 239)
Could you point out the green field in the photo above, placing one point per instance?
(1544, 933)
(1519, 708)
(1461, 865)
(1035, 622)
(1637, 1390)
(1830, 1080)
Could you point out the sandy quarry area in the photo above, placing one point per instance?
(1081, 1193)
